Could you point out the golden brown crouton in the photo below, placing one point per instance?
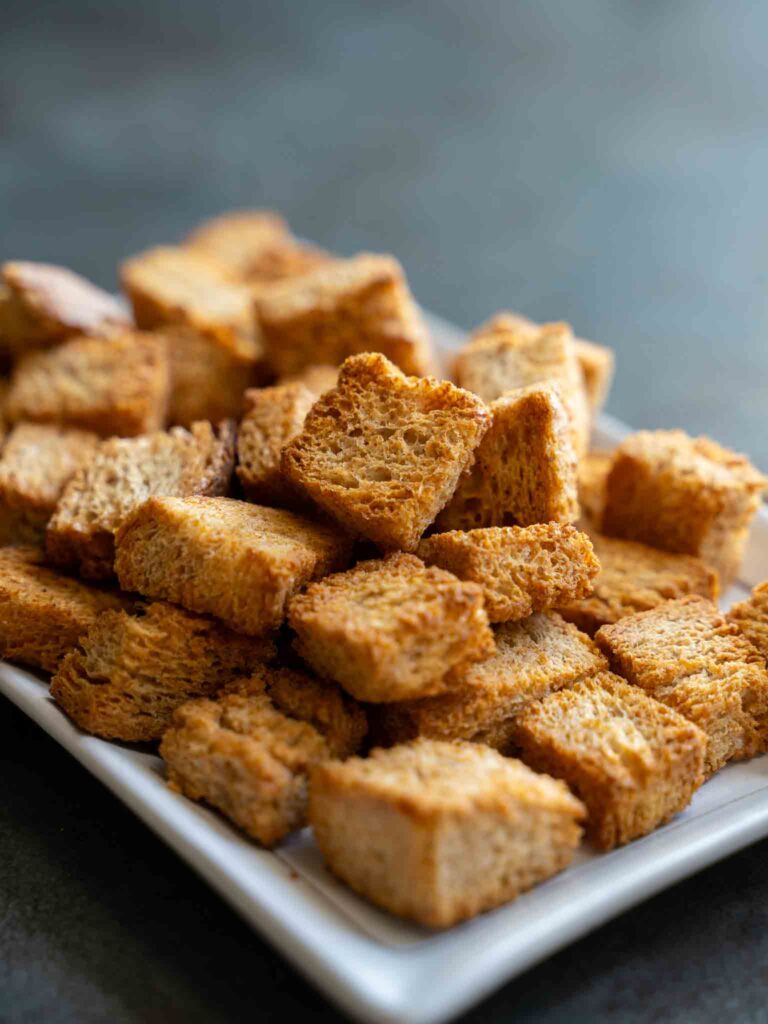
(209, 377)
(383, 452)
(391, 628)
(36, 462)
(132, 670)
(751, 617)
(318, 378)
(634, 762)
(42, 305)
(533, 658)
(634, 578)
(592, 473)
(122, 473)
(524, 470)
(685, 654)
(110, 386)
(683, 494)
(439, 832)
(350, 306)
(43, 614)
(507, 353)
(521, 569)
(273, 417)
(237, 561)
(597, 364)
(245, 758)
(177, 286)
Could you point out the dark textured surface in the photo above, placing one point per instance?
(602, 162)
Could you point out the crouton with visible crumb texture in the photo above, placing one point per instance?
(634, 762)
(383, 452)
(751, 617)
(687, 655)
(132, 670)
(237, 561)
(524, 470)
(522, 569)
(43, 614)
(439, 832)
(122, 474)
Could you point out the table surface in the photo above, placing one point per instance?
(600, 162)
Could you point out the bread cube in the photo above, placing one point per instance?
(131, 670)
(109, 386)
(533, 658)
(122, 474)
(685, 654)
(508, 353)
(273, 417)
(597, 364)
(383, 452)
(318, 378)
(522, 569)
(438, 832)
(42, 305)
(237, 561)
(43, 614)
(391, 628)
(209, 377)
(524, 471)
(751, 618)
(683, 494)
(37, 461)
(634, 762)
(592, 474)
(634, 578)
(350, 306)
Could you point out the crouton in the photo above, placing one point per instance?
(122, 473)
(592, 472)
(597, 364)
(506, 354)
(383, 452)
(318, 378)
(685, 654)
(751, 617)
(273, 417)
(634, 762)
(36, 462)
(209, 377)
(521, 569)
(237, 561)
(116, 386)
(438, 832)
(634, 578)
(43, 614)
(131, 670)
(533, 658)
(524, 471)
(683, 494)
(391, 628)
(350, 306)
(42, 305)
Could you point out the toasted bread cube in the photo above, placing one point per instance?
(122, 474)
(209, 377)
(597, 363)
(237, 561)
(42, 305)
(634, 762)
(687, 655)
(634, 578)
(43, 614)
(508, 353)
(438, 832)
(524, 471)
(110, 386)
(522, 569)
(245, 758)
(350, 306)
(683, 494)
(751, 617)
(177, 286)
(533, 658)
(592, 474)
(132, 670)
(318, 378)
(37, 461)
(391, 628)
(273, 417)
(383, 452)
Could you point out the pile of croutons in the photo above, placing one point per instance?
(256, 522)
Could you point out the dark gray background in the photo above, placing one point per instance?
(601, 162)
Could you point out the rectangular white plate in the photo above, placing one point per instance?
(378, 968)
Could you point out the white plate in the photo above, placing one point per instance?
(379, 968)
